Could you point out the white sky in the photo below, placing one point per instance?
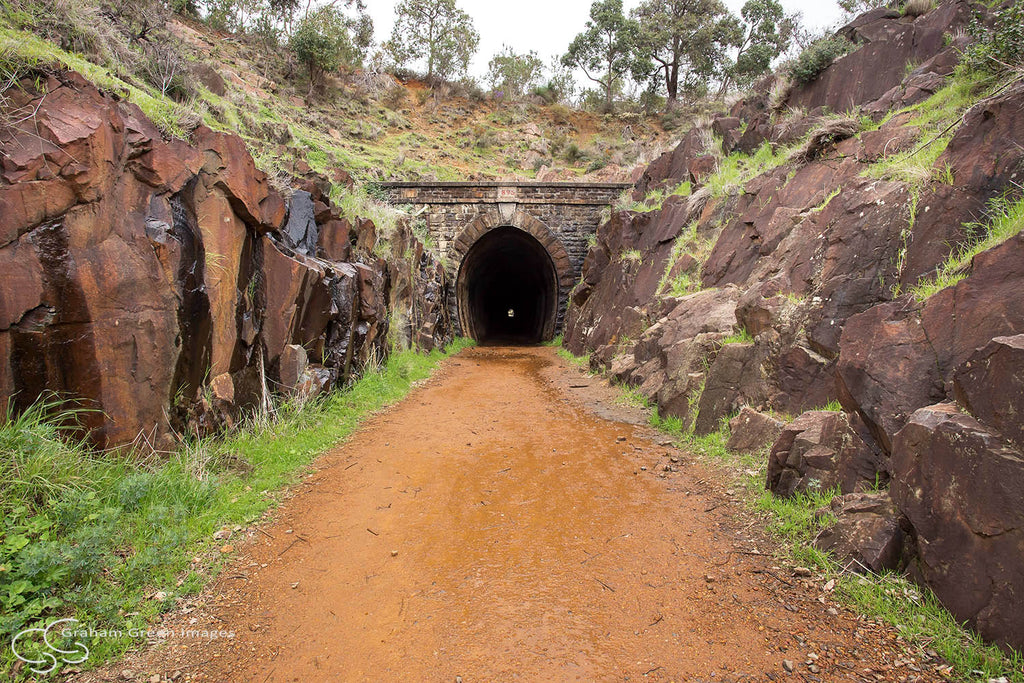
(548, 26)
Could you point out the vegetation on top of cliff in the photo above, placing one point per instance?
(115, 541)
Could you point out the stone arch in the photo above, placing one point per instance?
(493, 219)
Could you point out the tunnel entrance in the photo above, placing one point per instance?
(507, 289)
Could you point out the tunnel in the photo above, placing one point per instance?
(507, 289)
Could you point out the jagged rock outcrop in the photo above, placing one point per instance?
(887, 42)
(159, 283)
(795, 282)
(820, 451)
(751, 430)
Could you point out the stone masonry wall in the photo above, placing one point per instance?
(571, 211)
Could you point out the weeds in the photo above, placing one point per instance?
(739, 337)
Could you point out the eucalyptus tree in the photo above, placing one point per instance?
(434, 31)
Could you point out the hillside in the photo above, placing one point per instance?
(367, 125)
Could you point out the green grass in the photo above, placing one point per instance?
(95, 536)
(739, 337)
(631, 255)
(1005, 220)
(32, 51)
(937, 119)
(793, 523)
(688, 243)
(738, 169)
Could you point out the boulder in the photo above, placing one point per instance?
(819, 451)
(866, 535)
(735, 379)
(887, 368)
(990, 385)
(752, 431)
(961, 486)
(293, 364)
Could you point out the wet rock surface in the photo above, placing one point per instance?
(139, 271)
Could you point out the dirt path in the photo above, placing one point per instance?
(491, 527)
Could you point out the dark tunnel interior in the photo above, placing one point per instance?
(507, 289)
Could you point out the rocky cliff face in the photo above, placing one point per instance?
(791, 298)
(167, 286)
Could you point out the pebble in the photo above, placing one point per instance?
(788, 665)
(801, 571)
(394, 553)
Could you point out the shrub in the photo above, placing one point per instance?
(817, 57)
(999, 49)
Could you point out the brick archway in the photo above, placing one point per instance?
(482, 225)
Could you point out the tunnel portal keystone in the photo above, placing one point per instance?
(561, 216)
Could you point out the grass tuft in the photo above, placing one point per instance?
(1005, 220)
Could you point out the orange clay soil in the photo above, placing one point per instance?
(492, 527)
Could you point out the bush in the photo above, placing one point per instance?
(817, 57)
(1000, 49)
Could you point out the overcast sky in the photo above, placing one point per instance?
(548, 26)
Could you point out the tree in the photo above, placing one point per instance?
(606, 50)
(688, 40)
(328, 38)
(513, 74)
(435, 30)
(767, 34)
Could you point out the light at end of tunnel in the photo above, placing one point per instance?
(511, 313)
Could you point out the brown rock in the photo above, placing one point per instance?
(734, 379)
(962, 489)
(958, 320)
(991, 386)
(293, 364)
(867, 534)
(887, 368)
(751, 430)
(886, 45)
(818, 451)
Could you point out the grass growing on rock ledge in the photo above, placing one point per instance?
(793, 523)
(114, 541)
(1005, 220)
